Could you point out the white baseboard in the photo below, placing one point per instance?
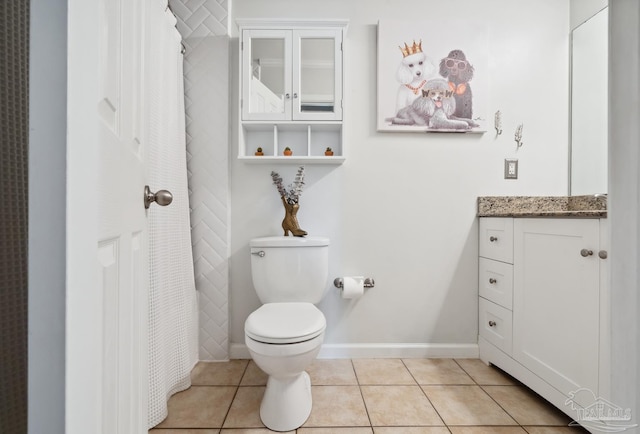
(381, 351)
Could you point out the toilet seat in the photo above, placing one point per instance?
(285, 323)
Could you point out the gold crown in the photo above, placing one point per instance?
(409, 50)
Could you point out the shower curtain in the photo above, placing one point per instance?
(173, 314)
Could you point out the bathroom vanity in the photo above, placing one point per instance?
(543, 297)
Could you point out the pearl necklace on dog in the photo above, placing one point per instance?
(416, 90)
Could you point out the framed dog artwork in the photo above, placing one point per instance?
(432, 76)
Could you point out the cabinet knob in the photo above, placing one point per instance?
(492, 324)
(287, 96)
(602, 254)
(295, 95)
(492, 280)
(493, 239)
(586, 252)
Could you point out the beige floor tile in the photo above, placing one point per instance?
(526, 407)
(486, 430)
(410, 430)
(382, 371)
(199, 407)
(245, 408)
(251, 431)
(184, 431)
(555, 430)
(254, 376)
(218, 373)
(352, 430)
(437, 371)
(466, 405)
(332, 373)
(485, 374)
(337, 406)
(399, 406)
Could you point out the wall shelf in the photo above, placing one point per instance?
(308, 141)
(292, 160)
(285, 104)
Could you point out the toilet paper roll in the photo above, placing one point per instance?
(352, 286)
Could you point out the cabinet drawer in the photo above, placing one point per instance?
(496, 325)
(496, 238)
(495, 281)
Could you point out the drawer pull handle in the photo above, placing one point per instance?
(493, 239)
(586, 252)
(492, 280)
(492, 324)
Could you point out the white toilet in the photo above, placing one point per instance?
(284, 335)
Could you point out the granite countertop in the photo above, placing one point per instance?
(542, 206)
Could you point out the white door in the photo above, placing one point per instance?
(107, 293)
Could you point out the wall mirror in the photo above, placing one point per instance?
(317, 71)
(267, 75)
(589, 106)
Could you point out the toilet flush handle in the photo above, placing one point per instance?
(259, 253)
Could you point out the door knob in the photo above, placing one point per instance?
(586, 252)
(603, 254)
(161, 197)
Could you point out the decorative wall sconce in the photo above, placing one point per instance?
(518, 136)
(497, 120)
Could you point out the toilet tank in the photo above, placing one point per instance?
(290, 269)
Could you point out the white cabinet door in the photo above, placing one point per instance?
(317, 74)
(291, 74)
(556, 300)
(266, 74)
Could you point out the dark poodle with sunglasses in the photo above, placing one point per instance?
(458, 71)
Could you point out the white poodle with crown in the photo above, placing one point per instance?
(413, 72)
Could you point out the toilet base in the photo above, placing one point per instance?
(286, 404)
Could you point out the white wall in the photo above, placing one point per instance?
(624, 199)
(401, 209)
(582, 10)
(206, 74)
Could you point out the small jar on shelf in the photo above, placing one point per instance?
(259, 152)
(287, 152)
(328, 152)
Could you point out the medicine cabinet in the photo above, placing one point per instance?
(291, 92)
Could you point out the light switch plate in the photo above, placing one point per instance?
(510, 168)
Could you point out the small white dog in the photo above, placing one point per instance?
(413, 72)
(433, 108)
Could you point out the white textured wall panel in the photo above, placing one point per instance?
(203, 24)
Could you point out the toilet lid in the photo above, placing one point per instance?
(285, 323)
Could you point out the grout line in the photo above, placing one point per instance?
(235, 394)
(465, 371)
(244, 372)
(364, 402)
(425, 395)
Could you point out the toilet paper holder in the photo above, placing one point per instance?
(368, 282)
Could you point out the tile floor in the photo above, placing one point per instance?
(369, 396)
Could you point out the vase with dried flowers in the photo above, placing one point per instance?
(290, 199)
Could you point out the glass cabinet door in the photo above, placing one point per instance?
(317, 74)
(266, 75)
